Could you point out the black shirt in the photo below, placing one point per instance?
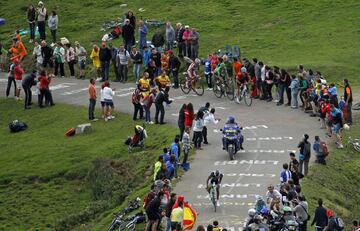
(105, 54)
(46, 52)
(320, 218)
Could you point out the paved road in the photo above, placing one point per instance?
(270, 133)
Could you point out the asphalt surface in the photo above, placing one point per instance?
(270, 132)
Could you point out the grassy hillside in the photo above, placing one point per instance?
(319, 34)
(337, 183)
(50, 181)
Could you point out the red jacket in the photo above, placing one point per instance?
(44, 82)
(188, 118)
(18, 72)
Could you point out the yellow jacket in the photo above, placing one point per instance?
(95, 58)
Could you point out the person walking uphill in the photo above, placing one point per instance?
(162, 97)
(92, 100)
(305, 154)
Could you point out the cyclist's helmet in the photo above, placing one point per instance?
(251, 212)
(197, 61)
(231, 119)
(217, 173)
(212, 174)
(264, 211)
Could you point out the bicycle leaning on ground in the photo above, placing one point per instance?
(355, 143)
(127, 223)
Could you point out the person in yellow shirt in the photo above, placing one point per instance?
(177, 217)
(162, 80)
(144, 83)
(96, 59)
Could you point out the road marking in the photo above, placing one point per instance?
(250, 162)
(222, 108)
(250, 174)
(74, 91)
(229, 196)
(175, 114)
(124, 95)
(61, 86)
(269, 138)
(238, 185)
(180, 97)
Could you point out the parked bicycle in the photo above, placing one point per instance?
(197, 85)
(128, 223)
(224, 88)
(355, 143)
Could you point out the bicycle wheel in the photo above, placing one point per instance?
(230, 89)
(247, 98)
(198, 87)
(183, 86)
(217, 89)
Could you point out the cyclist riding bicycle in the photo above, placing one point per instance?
(242, 79)
(232, 129)
(220, 72)
(192, 71)
(214, 178)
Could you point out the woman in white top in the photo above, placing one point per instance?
(107, 94)
(198, 127)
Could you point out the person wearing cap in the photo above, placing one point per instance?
(143, 30)
(81, 55)
(187, 41)
(105, 57)
(174, 64)
(136, 58)
(128, 34)
(41, 18)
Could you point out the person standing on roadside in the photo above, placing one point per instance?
(135, 98)
(53, 23)
(31, 16)
(174, 64)
(320, 218)
(294, 86)
(194, 43)
(105, 57)
(59, 56)
(27, 83)
(92, 100)
(94, 55)
(348, 101)
(81, 55)
(45, 90)
(162, 97)
(10, 81)
(108, 99)
(114, 52)
(128, 34)
(168, 210)
(18, 73)
(41, 18)
(70, 59)
(122, 62)
(179, 38)
(305, 154)
(170, 36)
(158, 41)
(181, 120)
(37, 56)
(143, 30)
(47, 55)
(209, 118)
(136, 58)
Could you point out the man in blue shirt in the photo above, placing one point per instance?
(285, 174)
(207, 71)
(165, 155)
(174, 148)
(170, 166)
(232, 130)
(143, 30)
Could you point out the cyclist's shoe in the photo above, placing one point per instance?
(223, 148)
(237, 99)
(218, 203)
(241, 147)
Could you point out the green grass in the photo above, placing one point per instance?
(337, 183)
(48, 180)
(321, 35)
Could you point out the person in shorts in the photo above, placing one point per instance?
(102, 101)
(108, 100)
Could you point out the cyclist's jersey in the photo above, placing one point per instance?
(231, 130)
(220, 69)
(215, 179)
(191, 71)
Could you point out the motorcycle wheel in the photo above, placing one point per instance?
(231, 152)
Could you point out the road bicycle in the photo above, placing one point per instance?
(128, 223)
(355, 143)
(221, 88)
(197, 85)
(213, 195)
(246, 95)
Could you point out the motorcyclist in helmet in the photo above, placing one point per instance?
(250, 219)
(216, 178)
(288, 217)
(232, 129)
(258, 224)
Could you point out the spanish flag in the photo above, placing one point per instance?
(189, 214)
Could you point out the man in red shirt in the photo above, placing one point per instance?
(92, 100)
(18, 72)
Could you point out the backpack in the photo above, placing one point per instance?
(17, 126)
(324, 148)
(340, 223)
